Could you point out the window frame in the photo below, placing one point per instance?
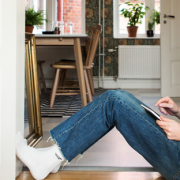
(116, 33)
(83, 18)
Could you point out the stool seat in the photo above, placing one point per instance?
(41, 61)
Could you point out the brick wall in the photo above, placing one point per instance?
(71, 13)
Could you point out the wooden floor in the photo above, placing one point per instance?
(93, 175)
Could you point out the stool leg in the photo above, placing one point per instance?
(39, 89)
(54, 88)
(39, 83)
(89, 96)
(42, 77)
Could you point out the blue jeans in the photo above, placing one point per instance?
(120, 109)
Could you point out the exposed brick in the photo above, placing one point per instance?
(77, 8)
(72, 12)
(73, 17)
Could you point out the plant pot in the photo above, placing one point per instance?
(132, 31)
(29, 29)
(150, 33)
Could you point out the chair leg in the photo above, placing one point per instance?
(89, 96)
(54, 88)
(42, 77)
(91, 83)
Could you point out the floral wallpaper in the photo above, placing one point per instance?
(111, 59)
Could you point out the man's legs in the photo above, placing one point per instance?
(120, 109)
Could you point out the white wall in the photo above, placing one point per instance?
(12, 83)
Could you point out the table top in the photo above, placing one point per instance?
(62, 35)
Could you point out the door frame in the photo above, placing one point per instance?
(12, 84)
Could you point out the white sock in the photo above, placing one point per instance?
(55, 170)
(40, 163)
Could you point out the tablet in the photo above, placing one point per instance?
(157, 116)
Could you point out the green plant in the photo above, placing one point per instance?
(150, 25)
(134, 12)
(155, 18)
(34, 18)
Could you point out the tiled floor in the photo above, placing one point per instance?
(112, 150)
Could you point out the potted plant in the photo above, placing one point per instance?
(155, 18)
(135, 13)
(33, 18)
(150, 32)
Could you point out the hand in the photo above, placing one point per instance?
(170, 127)
(168, 106)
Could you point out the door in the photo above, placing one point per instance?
(170, 48)
(12, 14)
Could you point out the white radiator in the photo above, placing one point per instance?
(139, 62)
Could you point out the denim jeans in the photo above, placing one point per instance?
(120, 109)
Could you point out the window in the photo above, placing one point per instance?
(157, 8)
(68, 11)
(124, 21)
(120, 23)
(39, 5)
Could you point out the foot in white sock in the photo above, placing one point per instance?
(55, 170)
(40, 163)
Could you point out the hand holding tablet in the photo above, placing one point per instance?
(152, 112)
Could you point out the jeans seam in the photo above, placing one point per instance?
(143, 118)
(80, 119)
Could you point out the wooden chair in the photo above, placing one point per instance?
(64, 65)
(63, 74)
(39, 63)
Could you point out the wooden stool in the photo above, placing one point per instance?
(39, 63)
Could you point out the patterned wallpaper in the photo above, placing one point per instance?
(111, 59)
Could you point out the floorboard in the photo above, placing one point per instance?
(95, 175)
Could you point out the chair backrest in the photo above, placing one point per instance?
(95, 34)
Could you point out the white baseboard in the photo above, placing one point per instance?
(110, 83)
